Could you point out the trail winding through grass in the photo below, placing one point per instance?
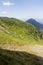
(34, 49)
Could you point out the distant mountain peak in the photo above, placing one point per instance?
(35, 23)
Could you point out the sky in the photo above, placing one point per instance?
(22, 9)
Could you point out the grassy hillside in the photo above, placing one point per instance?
(16, 31)
(19, 58)
(16, 35)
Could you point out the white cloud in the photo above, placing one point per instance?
(7, 3)
(4, 12)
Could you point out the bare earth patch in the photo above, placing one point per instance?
(34, 49)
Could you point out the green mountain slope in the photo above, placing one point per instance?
(14, 34)
(16, 31)
(19, 58)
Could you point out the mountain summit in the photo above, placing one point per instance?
(36, 23)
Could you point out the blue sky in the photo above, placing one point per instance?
(22, 9)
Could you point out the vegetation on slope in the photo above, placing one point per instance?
(19, 58)
(20, 33)
(12, 30)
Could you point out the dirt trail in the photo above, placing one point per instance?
(34, 49)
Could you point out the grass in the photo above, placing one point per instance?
(11, 29)
(18, 58)
(19, 33)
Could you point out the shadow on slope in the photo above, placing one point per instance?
(8, 57)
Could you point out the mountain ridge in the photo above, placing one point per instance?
(35, 23)
(17, 30)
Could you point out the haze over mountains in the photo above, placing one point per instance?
(40, 20)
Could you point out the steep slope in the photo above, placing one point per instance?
(17, 35)
(8, 57)
(35, 23)
(13, 31)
